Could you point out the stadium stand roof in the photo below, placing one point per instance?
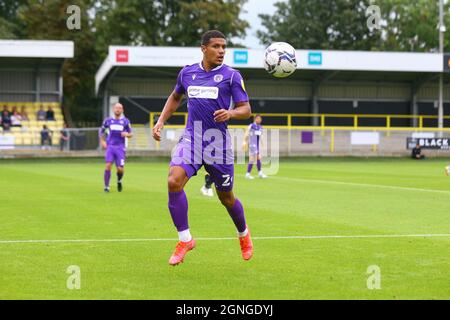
(317, 60)
(144, 76)
(36, 49)
(30, 70)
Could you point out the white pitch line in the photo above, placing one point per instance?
(375, 236)
(355, 184)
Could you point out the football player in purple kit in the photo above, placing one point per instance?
(117, 129)
(252, 141)
(215, 94)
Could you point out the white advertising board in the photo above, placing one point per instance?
(365, 138)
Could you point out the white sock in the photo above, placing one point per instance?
(185, 236)
(243, 234)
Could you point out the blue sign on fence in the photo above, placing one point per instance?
(240, 57)
(315, 58)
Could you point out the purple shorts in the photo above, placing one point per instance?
(115, 154)
(253, 149)
(221, 174)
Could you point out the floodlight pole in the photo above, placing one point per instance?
(441, 75)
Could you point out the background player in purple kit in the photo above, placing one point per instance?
(252, 141)
(116, 128)
(206, 189)
(212, 88)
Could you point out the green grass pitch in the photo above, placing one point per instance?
(312, 197)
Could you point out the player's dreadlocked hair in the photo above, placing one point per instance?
(208, 35)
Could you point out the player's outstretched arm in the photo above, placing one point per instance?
(170, 107)
(246, 138)
(103, 142)
(101, 134)
(241, 111)
(128, 135)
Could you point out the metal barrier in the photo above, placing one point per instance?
(293, 141)
(23, 138)
(320, 141)
(290, 118)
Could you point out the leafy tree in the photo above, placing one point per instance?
(6, 29)
(114, 22)
(197, 17)
(412, 26)
(342, 25)
(10, 24)
(334, 24)
(125, 22)
(46, 20)
(165, 22)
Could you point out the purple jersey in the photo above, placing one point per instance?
(115, 127)
(208, 92)
(254, 133)
(254, 136)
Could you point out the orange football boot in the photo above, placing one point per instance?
(180, 251)
(246, 246)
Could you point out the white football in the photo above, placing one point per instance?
(280, 60)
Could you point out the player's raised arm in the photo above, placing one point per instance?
(242, 109)
(127, 133)
(170, 107)
(103, 142)
(101, 135)
(246, 138)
